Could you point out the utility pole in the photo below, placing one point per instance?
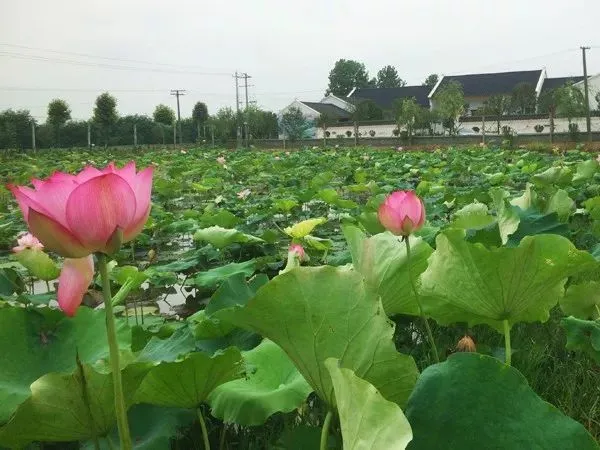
(177, 93)
(246, 122)
(588, 120)
(33, 135)
(89, 134)
(135, 134)
(237, 109)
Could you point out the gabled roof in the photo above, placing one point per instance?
(487, 84)
(385, 97)
(553, 83)
(333, 111)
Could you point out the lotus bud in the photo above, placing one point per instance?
(402, 213)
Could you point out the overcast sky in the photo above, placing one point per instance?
(287, 47)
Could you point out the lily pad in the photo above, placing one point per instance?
(221, 237)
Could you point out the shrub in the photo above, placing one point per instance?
(573, 132)
(349, 133)
(372, 133)
(327, 134)
(476, 129)
(538, 128)
(396, 132)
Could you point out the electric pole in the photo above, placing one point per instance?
(237, 109)
(177, 93)
(588, 120)
(135, 134)
(247, 120)
(33, 135)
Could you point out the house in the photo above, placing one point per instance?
(386, 97)
(479, 87)
(593, 87)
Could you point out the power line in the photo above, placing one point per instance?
(103, 65)
(109, 58)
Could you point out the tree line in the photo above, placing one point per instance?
(108, 128)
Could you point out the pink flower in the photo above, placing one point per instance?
(77, 215)
(298, 250)
(402, 213)
(221, 160)
(28, 241)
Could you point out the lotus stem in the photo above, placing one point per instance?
(204, 431)
(418, 300)
(120, 408)
(325, 430)
(507, 349)
(222, 439)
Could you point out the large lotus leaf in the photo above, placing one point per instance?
(382, 261)
(531, 222)
(70, 407)
(10, 282)
(529, 199)
(235, 291)
(561, 204)
(188, 382)
(583, 336)
(473, 401)
(368, 421)
(469, 283)
(38, 263)
(474, 216)
(507, 215)
(152, 428)
(554, 176)
(304, 228)
(221, 237)
(211, 278)
(170, 349)
(272, 384)
(38, 341)
(582, 300)
(585, 170)
(315, 313)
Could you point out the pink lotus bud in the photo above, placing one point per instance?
(221, 160)
(298, 250)
(75, 277)
(402, 213)
(93, 211)
(28, 241)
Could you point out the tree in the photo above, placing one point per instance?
(165, 117)
(450, 101)
(570, 102)
(199, 115)
(407, 115)
(261, 124)
(223, 124)
(523, 98)
(346, 75)
(323, 122)
(15, 129)
(431, 80)
(388, 77)
(105, 114)
(58, 114)
(293, 124)
(497, 106)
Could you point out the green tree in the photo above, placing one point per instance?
(223, 124)
(346, 75)
(388, 77)
(15, 129)
(450, 101)
(294, 125)
(105, 114)
(262, 124)
(58, 114)
(323, 122)
(497, 106)
(570, 102)
(408, 113)
(164, 117)
(431, 80)
(200, 116)
(523, 99)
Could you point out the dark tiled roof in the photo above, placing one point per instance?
(385, 97)
(486, 84)
(553, 83)
(333, 111)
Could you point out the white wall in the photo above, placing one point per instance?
(593, 90)
(308, 113)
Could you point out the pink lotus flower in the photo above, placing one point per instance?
(28, 241)
(402, 213)
(77, 215)
(299, 251)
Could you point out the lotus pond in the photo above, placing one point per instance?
(224, 344)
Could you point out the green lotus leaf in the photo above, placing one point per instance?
(507, 215)
(213, 277)
(582, 300)
(35, 342)
(315, 313)
(272, 384)
(469, 283)
(585, 170)
(38, 263)
(473, 401)
(221, 237)
(368, 420)
(583, 336)
(381, 259)
(561, 204)
(188, 382)
(474, 216)
(301, 229)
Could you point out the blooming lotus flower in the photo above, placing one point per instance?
(28, 241)
(94, 211)
(77, 215)
(402, 213)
